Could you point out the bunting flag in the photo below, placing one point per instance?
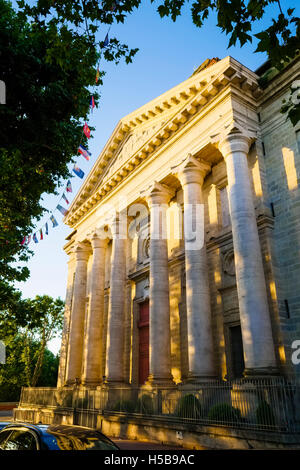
(97, 75)
(92, 103)
(84, 152)
(54, 221)
(69, 187)
(65, 198)
(78, 171)
(61, 209)
(106, 41)
(87, 131)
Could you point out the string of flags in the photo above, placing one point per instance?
(44, 230)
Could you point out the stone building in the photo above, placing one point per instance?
(144, 304)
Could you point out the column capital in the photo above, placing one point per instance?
(82, 251)
(97, 241)
(190, 170)
(158, 193)
(234, 141)
(118, 226)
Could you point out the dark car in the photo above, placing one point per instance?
(24, 436)
(3, 424)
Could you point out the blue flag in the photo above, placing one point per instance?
(46, 228)
(54, 221)
(78, 171)
(106, 41)
(61, 209)
(35, 238)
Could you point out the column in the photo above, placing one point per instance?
(254, 312)
(117, 303)
(159, 321)
(67, 318)
(191, 174)
(92, 373)
(75, 349)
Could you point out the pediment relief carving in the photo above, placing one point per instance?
(130, 146)
(141, 133)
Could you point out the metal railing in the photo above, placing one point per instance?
(272, 405)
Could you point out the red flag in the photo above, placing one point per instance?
(87, 131)
(97, 74)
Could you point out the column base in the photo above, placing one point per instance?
(90, 383)
(262, 373)
(73, 383)
(155, 381)
(114, 384)
(194, 380)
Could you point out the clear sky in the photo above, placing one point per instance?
(168, 54)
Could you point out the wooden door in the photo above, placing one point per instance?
(144, 342)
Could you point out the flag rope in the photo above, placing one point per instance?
(68, 187)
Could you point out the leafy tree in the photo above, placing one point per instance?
(26, 331)
(48, 67)
(13, 374)
(49, 51)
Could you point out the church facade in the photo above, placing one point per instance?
(184, 255)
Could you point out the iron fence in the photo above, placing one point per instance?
(272, 405)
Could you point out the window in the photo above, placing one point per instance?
(21, 440)
(237, 351)
(3, 436)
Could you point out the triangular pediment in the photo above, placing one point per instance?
(143, 131)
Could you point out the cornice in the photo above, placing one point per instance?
(186, 100)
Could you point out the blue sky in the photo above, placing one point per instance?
(168, 54)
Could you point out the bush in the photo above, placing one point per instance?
(264, 414)
(145, 405)
(125, 406)
(188, 407)
(224, 412)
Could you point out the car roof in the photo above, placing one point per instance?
(56, 428)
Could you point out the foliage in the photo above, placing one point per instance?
(126, 406)
(48, 65)
(26, 331)
(188, 407)
(12, 374)
(225, 413)
(145, 405)
(49, 52)
(264, 414)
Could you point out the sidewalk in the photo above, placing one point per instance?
(126, 444)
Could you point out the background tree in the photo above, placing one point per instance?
(49, 50)
(26, 332)
(49, 69)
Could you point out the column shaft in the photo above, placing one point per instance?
(115, 327)
(199, 322)
(66, 328)
(159, 321)
(75, 350)
(253, 305)
(92, 373)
